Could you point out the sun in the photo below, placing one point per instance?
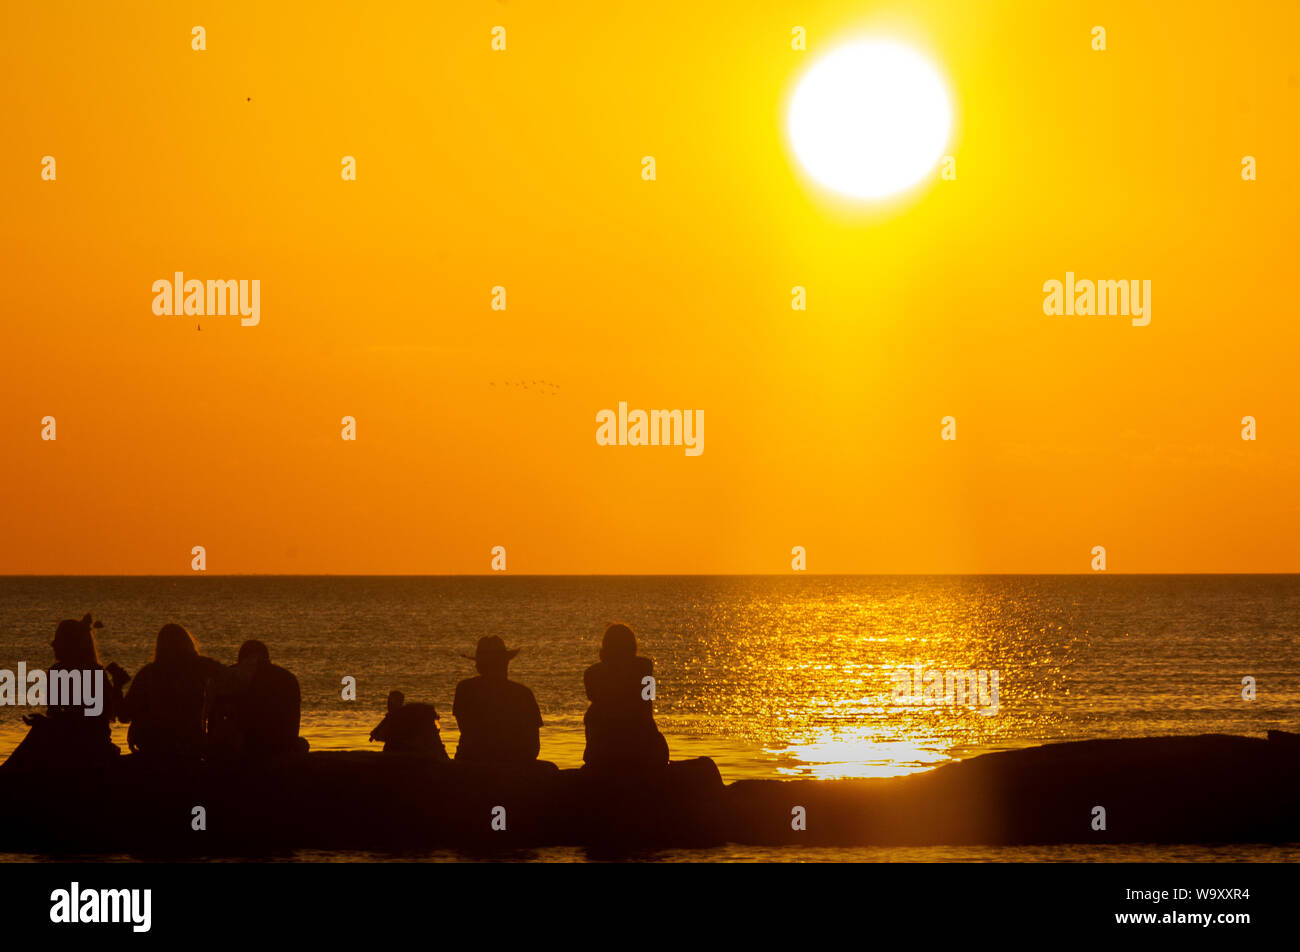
(869, 119)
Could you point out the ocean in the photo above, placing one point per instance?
(771, 676)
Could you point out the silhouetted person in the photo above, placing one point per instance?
(498, 718)
(621, 731)
(410, 728)
(74, 734)
(166, 702)
(256, 708)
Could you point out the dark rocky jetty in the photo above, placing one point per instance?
(1202, 789)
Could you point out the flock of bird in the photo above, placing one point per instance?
(545, 387)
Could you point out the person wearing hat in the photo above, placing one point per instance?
(498, 718)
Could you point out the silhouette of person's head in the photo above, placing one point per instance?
(74, 643)
(253, 654)
(395, 700)
(175, 646)
(491, 656)
(619, 644)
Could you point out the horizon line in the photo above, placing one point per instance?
(791, 574)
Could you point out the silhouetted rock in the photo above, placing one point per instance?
(1206, 788)
(1203, 789)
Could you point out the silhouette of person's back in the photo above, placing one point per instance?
(621, 731)
(410, 728)
(498, 718)
(73, 734)
(256, 707)
(166, 701)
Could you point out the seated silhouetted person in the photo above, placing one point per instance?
(166, 702)
(256, 708)
(76, 731)
(498, 718)
(410, 729)
(621, 731)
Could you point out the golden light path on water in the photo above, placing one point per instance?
(812, 681)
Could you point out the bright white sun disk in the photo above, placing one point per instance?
(869, 119)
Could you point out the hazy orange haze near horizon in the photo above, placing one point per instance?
(522, 168)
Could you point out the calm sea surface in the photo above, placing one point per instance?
(772, 676)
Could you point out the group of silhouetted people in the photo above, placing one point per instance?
(184, 705)
(500, 722)
(180, 705)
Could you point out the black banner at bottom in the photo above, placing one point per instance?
(658, 902)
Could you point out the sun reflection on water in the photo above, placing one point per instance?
(833, 758)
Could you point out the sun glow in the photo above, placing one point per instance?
(869, 119)
(834, 757)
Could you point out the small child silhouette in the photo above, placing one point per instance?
(410, 728)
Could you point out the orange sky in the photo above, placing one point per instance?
(522, 169)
